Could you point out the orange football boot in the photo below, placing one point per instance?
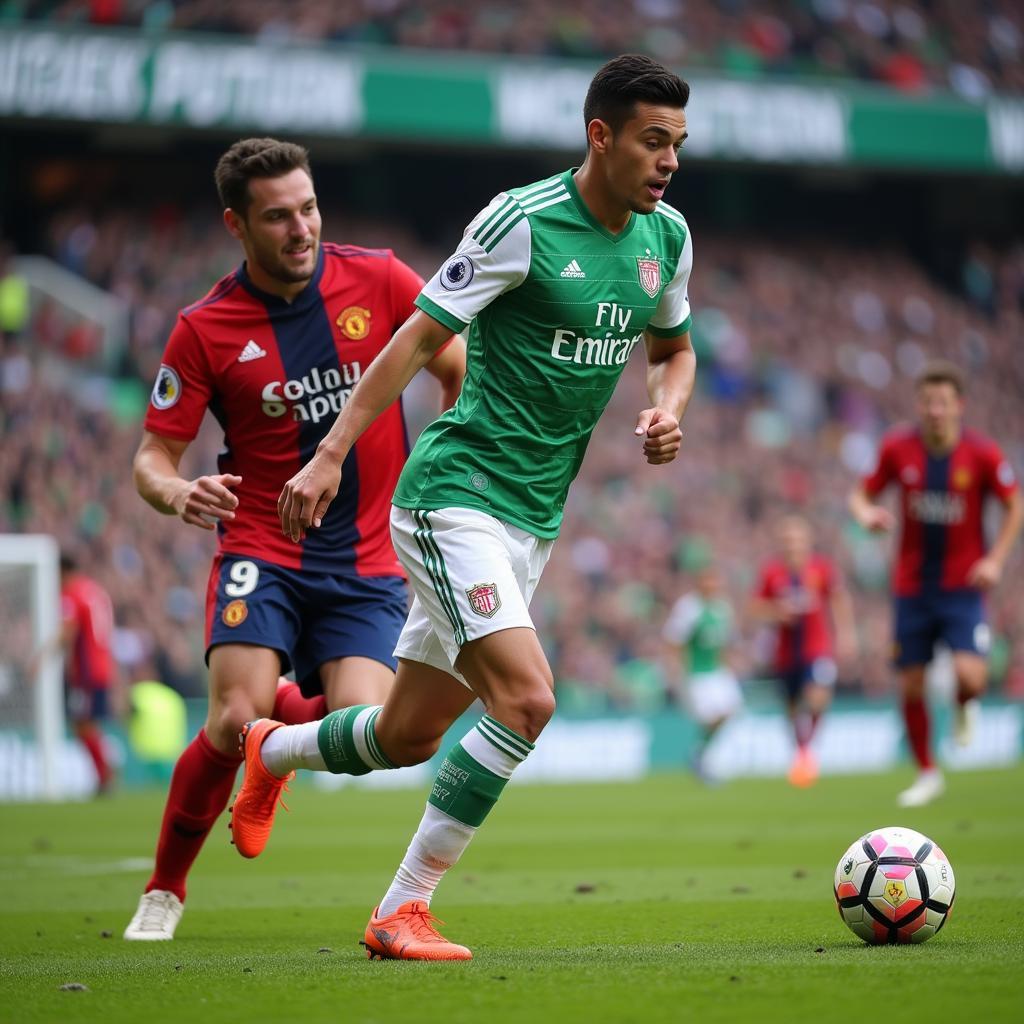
(252, 814)
(409, 934)
(804, 770)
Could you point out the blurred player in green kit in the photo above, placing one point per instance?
(700, 630)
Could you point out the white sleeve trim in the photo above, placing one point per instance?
(473, 277)
(681, 620)
(674, 307)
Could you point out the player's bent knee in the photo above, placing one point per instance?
(973, 681)
(226, 719)
(912, 682)
(527, 713)
(819, 698)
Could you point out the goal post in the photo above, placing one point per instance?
(31, 668)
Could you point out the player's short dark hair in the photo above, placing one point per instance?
(626, 81)
(68, 562)
(939, 371)
(255, 158)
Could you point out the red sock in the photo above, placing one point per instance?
(292, 708)
(915, 714)
(200, 789)
(92, 740)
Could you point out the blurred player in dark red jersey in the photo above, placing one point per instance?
(273, 351)
(944, 473)
(800, 594)
(89, 668)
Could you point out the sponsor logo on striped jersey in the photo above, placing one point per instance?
(314, 396)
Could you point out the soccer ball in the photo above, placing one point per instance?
(894, 885)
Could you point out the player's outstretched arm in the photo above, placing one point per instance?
(671, 371)
(200, 502)
(875, 518)
(988, 571)
(306, 497)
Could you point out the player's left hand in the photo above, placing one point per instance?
(985, 573)
(305, 498)
(661, 434)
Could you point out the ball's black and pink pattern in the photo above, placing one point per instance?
(894, 885)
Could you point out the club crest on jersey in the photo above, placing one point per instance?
(167, 389)
(484, 599)
(962, 478)
(235, 613)
(354, 322)
(457, 273)
(649, 272)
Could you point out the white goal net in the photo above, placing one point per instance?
(31, 683)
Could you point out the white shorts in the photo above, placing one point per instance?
(471, 575)
(713, 695)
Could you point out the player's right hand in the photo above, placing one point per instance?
(203, 501)
(878, 520)
(305, 498)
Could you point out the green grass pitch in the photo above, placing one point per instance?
(646, 902)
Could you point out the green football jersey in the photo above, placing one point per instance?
(555, 304)
(703, 629)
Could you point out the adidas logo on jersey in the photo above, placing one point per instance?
(251, 351)
(573, 270)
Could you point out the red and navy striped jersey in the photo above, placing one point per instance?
(86, 608)
(942, 500)
(808, 638)
(275, 375)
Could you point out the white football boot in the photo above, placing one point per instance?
(928, 785)
(158, 915)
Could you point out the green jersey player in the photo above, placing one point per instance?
(700, 629)
(558, 282)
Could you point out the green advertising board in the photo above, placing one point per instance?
(204, 82)
(856, 737)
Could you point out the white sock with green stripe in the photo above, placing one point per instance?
(345, 743)
(467, 786)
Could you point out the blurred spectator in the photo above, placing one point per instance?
(13, 298)
(806, 349)
(157, 727)
(911, 45)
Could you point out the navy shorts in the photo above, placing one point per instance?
(819, 672)
(309, 618)
(956, 617)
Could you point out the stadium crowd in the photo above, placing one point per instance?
(806, 352)
(915, 46)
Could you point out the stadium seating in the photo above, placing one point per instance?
(806, 353)
(910, 45)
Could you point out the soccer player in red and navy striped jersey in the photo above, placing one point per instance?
(274, 351)
(800, 594)
(89, 668)
(945, 473)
